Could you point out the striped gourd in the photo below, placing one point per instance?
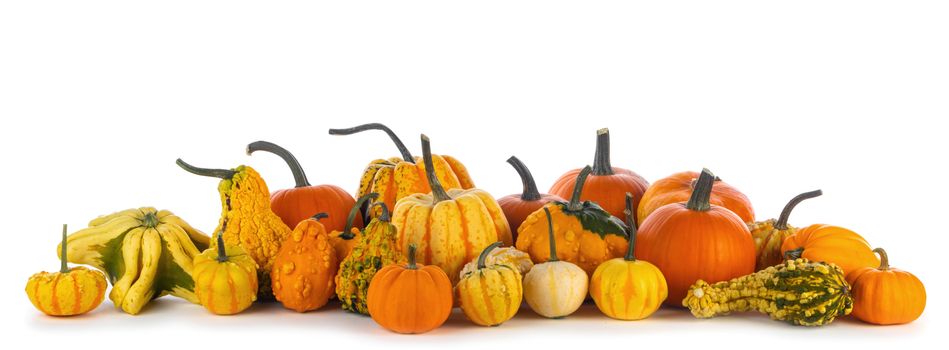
(225, 278)
(490, 294)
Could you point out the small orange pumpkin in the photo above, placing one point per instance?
(678, 188)
(517, 207)
(831, 244)
(305, 267)
(886, 295)
(410, 299)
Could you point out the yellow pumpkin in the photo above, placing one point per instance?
(69, 292)
(225, 278)
(555, 289)
(491, 294)
(521, 261)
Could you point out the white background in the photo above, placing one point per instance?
(98, 99)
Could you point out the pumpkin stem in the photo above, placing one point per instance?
(406, 155)
(218, 173)
(630, 256)
(601, 160)
(575, 204)
(62, 256)
(411, 257)
(794, 254)
(550, 236)
(298, 175)
(221, 253)
(319, 216)
(782, 223)
(347, 230)
(484, 254)
(884, 260)
(530, 192)
(702, 193)
(437, 190)
(384, 216)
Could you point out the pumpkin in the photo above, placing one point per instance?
(225, 278)
(555, 288)
(607, 184)
(69, 292)
(627, 288)
(396, 178)
(678, 188)
(305, 267)
(491, 294)
(300, 202)
(832, 244)
(449, 227)
(411, 298)
(769, 235)
(344, 241)
(886, 295)
(377, 247)
(586, 234)
(517, 207)
(503, 256)
(696, 240)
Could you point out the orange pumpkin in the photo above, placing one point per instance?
(607, 185)
(345, 240)
(410, 299)
(696, 241)
(299, 203)
(517, 207)
(305, 267)
(831, 244)
(678, 188)
(886, 295)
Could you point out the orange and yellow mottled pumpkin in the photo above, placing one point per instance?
(69, 292)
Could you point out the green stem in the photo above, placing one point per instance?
(347, 230)
(62, 257)
(702, 193)
(782, 223)
(437, 190)
(484, 254)
(550, 236)
(298, 175)
(601, 160)
(411, 256)
(320, 216)
(530, 192)
(884, 260)
(406, 155)
(794, 254)
(630, 256)
(384, 216)
(221, 253)
(218, 173)
(575, 204)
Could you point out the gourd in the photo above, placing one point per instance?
(144, 252)
(769, 235)
(517, 207)
(296, 204)
(627, 288)
(450, 227)
(69, 292)
(305, 267)
(246, 218)
(396, 178)
(377, 247)
(510, 256)
(832, 244)
(799, 292)
(886, 295)
(678, 188)
(607, 184)
(225, 278)
(555, 288)
(491, 294)
(586, 234)
(411, 298)
(344, 241)
(696, 240)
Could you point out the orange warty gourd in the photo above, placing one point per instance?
(69, 292)
(344, 241)
(678, 188)
(769, 235)
(886, 295)
(517, 207)
(305, 267)
(411, 298)
(607, 185)
(831, 244)
(696, 241)
(299, 203)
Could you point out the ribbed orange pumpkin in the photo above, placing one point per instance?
(831, 244)
(696, 241)
(886, 295)
(305, 267)
(410, 299)
(678, 188)
(607, 185)
(517, 207)
(299, 203)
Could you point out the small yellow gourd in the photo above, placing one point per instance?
(225, 278)
(521, 261)
(491, 294)
(555, 289)
(69, 292)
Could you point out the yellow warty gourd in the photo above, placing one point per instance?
(490, 294)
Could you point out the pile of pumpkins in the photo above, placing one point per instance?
(419, 239)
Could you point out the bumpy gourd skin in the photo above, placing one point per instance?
(305, 269)
(583, 238)
(799, 292)
(510, 256)
(395, 178)
(377, 247)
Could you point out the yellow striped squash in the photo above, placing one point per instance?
(490, 294)
(71, 291)
(225, 278)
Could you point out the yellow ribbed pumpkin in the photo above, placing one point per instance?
(69, 292)
(449, 227)
(521, 261)
(225, 278)
(491, 294)
(555, 289)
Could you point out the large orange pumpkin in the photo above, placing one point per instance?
(607, 185)
(678, 188)
(517, 207)
(831, 244)
(696, 241)
(411, 298)
(886, 295)
(299, 203)
(305, 267)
